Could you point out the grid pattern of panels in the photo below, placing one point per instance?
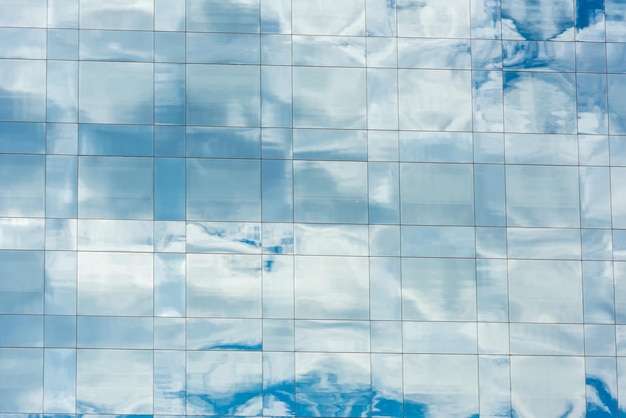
(313, 208)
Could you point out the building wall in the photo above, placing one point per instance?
(313, 208)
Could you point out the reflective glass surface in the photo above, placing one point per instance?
(312, 208)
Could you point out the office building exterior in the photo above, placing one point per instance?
(313, 208)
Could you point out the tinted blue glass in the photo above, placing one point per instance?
(169, 188)
(62, 44)
(62, 91)
(169, 93)
(169, 46)
(223, 142)
(22, 138)
(22, 104)
(277, 191)
(106, 45)
(61, 186)
(106, 139)
(22, 179)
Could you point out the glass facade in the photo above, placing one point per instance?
(313, 208)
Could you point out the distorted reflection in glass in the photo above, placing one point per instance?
(311, 239)
(22, 388)
(22, 282)
(117, 14)
(224, 334)
(223, 237)
(332, 336)
(328, 17)
(22, 191)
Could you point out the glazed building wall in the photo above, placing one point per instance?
(313, 208)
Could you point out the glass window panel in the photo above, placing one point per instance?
(547, 339)
(311, 239)
(382, 145)
(169, 141)
(618, 196)
(25, 43)
(486, 54)
(224, 334)
(62, 13)
(330, 191)
(488, 147)
(59, 383)
(384, 240)
(276, 96)
(21, 234)
(60, 282)
(278, 285)
(387, 382)
(440, 385)
(382, 52)
(169, 15)
(437, 194)
(333, 384)
(438, 241)
(21, 389)
(60, 331)
(493, 338)
(276, 16)
(590, 56)
(224, 237)
(495, 385)
(125, 278)
(122, 140)
(114, 381)
(601, 379)
(62, 92)
(619, 270)
(278, 238)
(169, 333)
(332, 51)
(169, 188)
(117, 14)
(381, 18)
(169, 382)
(438, 289)
(108, 45)
(539, 102)
(219, 16)
(22, 185)
(61, 187)
(61, 138)
(538, 56)
(276, 49)
(21, 330)
(489, 200)
(492, 290)
(332, 336)
(169, 284)
(278, 335)
(385, 288)
(223, 190)
(329, 17)
(597, 244)
(590, 21)
(545, 291)
(438, 100)
(326, 144)
(386, 336)
(617, 109)
(439, 337)
(115, 187)
(434, 19)
(433, 53)
(436, 147)
(548, 386)
(116, 92)
(487, 101)
(278, 383)
(219, 48)
(223, 95)
(329, 97)
(224, 285)
(592, 105)
(223, 142)
(541, 149)
(618, 150)
(169, 93)
(331, 287)
(222, 382)
(595, 196)
(486, 18)
(491, 242)
(169, 46)
(542, 196)
(615, 55)
(24, 13)
(383, 192)
(538, 20)
(276, 143)
(593, 150)
(27, 138)
(599, 340)
(615, 16)
(114, 332)
(277, 193)
(22, 90)
(543, 243)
